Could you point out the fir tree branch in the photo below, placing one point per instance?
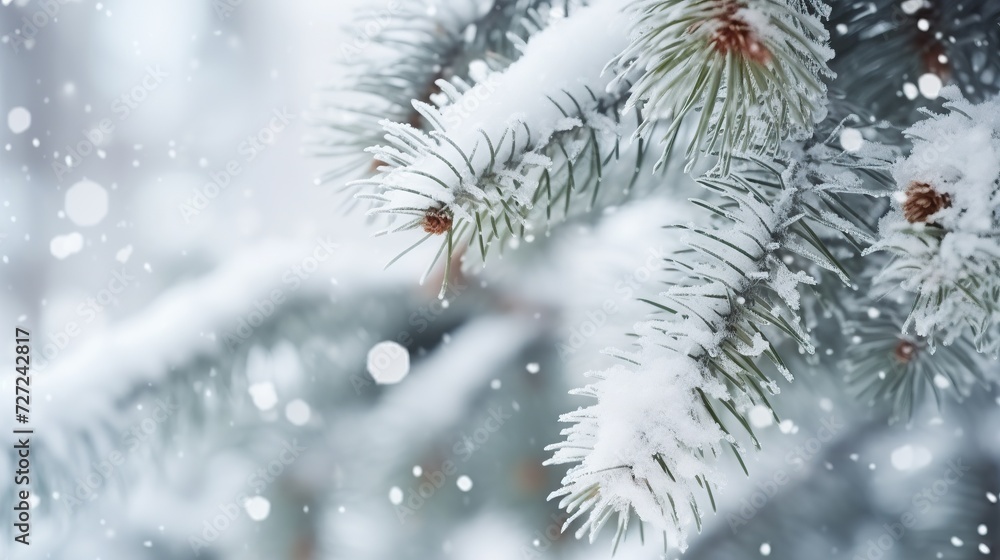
(513, 140)
(397, 56)
(753, 69)
(650, 441)
(885, 48)
(182, 346)
(900, 372)
(943, 230)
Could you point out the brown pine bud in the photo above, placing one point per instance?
(905, 351)
(437, 221)
(734, 35)
(922, 201)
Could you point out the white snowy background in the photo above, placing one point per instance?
(130, 294)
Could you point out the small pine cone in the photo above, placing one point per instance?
(437, 221)
(922, 201)
(905, 351)
(734, 35)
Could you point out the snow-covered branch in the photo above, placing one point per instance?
(89, 392)
(393, 57)
(753, 69)
(493, 145)
(943, 230)
(661, 420)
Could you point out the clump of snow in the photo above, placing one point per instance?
(123, 254)
(298, 412)
(388, 362)
(851, 139)
(395, 495)
(910, 457)
(258, 507)
(263, 395)
(929, 85)
(640, 416)
(761, 416)
(86, 203)
(63, 246)
(18, 120)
